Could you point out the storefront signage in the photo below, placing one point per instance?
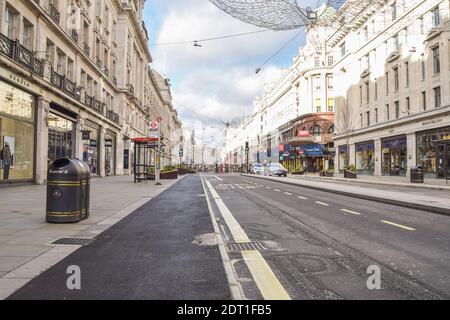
(447, 137)
(430, 122)
(304, 134)
(313, 150)
(281, 147)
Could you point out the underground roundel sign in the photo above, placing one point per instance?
(154, 125)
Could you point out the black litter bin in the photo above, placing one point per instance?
(67, 191)
(417, 174)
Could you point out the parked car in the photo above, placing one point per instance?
(275, 169)
(257, 168)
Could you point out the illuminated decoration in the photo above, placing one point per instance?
(294, 14)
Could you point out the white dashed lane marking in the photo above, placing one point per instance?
(288, 193)
(398, 225)
(322, 203)
(303, 198)
(352, 212)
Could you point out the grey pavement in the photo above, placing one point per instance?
(25, 238)
(165, 249)
(435, 200)
(321, 243)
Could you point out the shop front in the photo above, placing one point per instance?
(365, 158)
(394, 156)
(17, 134)
(431, 151)
(90, 137)
(61, 136)
(110, 147)
(313, 157)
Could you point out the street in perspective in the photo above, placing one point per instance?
(234, 151)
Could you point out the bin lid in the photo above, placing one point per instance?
(65, 167)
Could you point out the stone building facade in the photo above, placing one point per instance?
(75, 82)
(393, 95)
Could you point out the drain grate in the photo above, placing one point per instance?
(247, 246)
(73, 241)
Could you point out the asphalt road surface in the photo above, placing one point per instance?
(280, 242)
(321, 244)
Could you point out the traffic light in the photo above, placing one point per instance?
(181, 152)
(247, 147)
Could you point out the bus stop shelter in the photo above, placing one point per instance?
(144, 163)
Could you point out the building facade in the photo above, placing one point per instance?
(304, 89)
(393, 96)
(75, 82)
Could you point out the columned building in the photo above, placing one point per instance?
(72, 84)
(393, 94)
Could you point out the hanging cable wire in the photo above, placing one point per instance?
(210, 39)
(258, 69)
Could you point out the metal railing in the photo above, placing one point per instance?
(7, 45)
(86, 48)
(54, 13)
(74, 35)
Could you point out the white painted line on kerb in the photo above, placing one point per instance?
(218, 178)
(322, 203)
(288, 193)
(398, 225)
(352, 212)
(303, 198)
(268, 284)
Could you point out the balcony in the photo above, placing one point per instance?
(57, 80)
(106, 71)
(98, 61)
(74, 35)
(111, 115)
(86, 49)
(54, 13)
(115, 81)
(97, 106)
(7, 45)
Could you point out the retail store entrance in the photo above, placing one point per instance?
(443, 159)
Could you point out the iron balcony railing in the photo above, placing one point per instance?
(74, 35)
(7, 45)
(111, 115)
(54, 13)
(86, 49)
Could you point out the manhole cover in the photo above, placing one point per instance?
(248, 246)
(73, 241)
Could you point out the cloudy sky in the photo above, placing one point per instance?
(217, 81)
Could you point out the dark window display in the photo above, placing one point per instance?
(109, 154)
(394, 153)
(365, 154)
(426, 149)
(60, 137)
(16, 134)
(90, 148)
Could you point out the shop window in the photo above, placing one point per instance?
(16, 134)
(426, 149)
(365, 160)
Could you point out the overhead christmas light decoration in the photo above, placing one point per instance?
(294, 14)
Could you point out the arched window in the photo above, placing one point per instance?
(316, 130)
(331, 129)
